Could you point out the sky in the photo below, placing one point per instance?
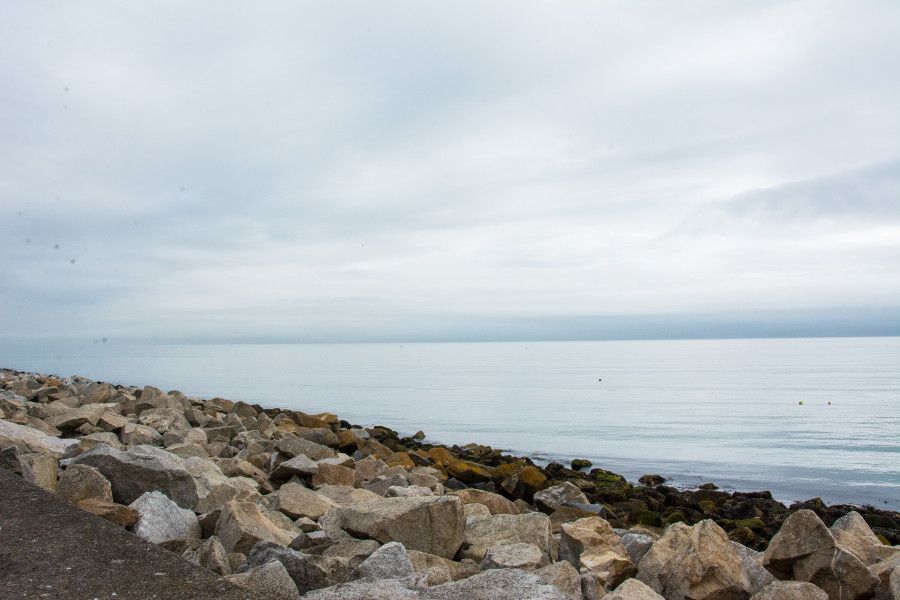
(314, 171)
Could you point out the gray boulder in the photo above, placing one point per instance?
(518, 556)
(78, 482)
(496, 584)
(751, 562)
(161, 521)
(790, 590)
(633, 589)
(483, 532)
(551, 498)
(391, 561)
(270, 580)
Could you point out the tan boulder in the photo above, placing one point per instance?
(514, 556)
(551, 498)
(633, 589)
(119, 514)
(297, 501)
(495, 503)
(563, 576)
(790, 590)
(243, 524)
(590, 543)
(79, 482)
(329, 474)
(435, 570)
(481, 533)
(853, 534)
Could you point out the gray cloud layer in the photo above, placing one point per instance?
(413, 170)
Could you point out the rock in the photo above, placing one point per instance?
(292, 446)
(388, 562)
(29, 439)
(883, 572)
(163, 522)
(495, 503)
(496, 584)
(563, 576)
(633, 589)
(805, 550)
(319, 435)
(853, 534)
(894, 584)
(519, 556)
(119, 514)
(242, 524)
(79, 482)
(695, 563)
(591, 544)
(308, 571)
(481, 533)
(581, 463)
(636, 545)
(165, 420)
(270, 580)
(134, 434)
(347, 496)
(296, 501)
(76, 417)
(751, 562)
(210, 555)
(790, 590)
(397, 491)
(143, 468)
(299, 465)
(651, 479)
(551, 498)
(384, 589)
(428, 524)
(40, 469)
(328, 474)
(435, 570)
(185, 449)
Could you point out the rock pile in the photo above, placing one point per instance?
(293, 505)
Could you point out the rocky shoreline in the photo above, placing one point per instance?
(290, 505)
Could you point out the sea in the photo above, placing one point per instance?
(803, 418)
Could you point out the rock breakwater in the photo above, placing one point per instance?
(293, 505)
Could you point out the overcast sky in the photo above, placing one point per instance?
(418, 170)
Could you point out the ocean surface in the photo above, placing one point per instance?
(800, 417)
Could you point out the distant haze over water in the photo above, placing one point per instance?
(727, 411)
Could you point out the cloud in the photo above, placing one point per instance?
(301, 169)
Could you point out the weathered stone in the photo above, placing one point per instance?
(296, 501)
(184, 450)
(751, 562)
(633, 589)
(383, 589)
(78, 482)
(802, 534)
(551, 498)
(469, 472)
(853, 534)
(243, 524)
(134, 434)
(435, 570)
(496, 584)
(76, 417)
(695, 563)
(382, 483)
(591, 544)
(790, 590)
(398, 491)
(481, 533)
(883, 571)
(894, 584)
(429, 524)
(564, 577)
(367, 469)
(320, 435)
(636, 545)
(298, 465)
(291, 445)
(346, 496)
(40, 469)
(143, 468)
(210, 555)
(161, 521)
(518, 556)
(841, 574)
(115, 513)
(32, 440)
(270, 580)
(391, 561)
(328, 474)
(496, 504)
(308, 571)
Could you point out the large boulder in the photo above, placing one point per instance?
(852, 533)
(564, 576)
(76, 417)
(751, 562)
(145, 468)
(270, 580)
(509, 556)
(32, 440)
(297, 501)
(636, 544)
(242, 524)
(78, 482)
(633, 589)
(805, 550)
(210, 555)
(495, 503)
(790, 590)
(591, 544)
(40, 469)
(308, 571)
(291, 445)
(496, 584)
(483, 532)
(695, 563)
(364, 589)
(435, 570)
(163, 522)
(432, 524)
(391, 561)
(551, 498)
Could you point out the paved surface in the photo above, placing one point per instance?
(52, 550)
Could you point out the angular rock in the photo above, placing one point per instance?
(495, 503)
(633, 589)
(428, 524)
(564, 577)
(397, 491)
(802, 534)
(328, 474)
(751, 562)
(242, 524)
(115, 513)
(143, 468)
(134, 434)
(31, 440)
(481, 533)
(518, 556)
(291, 445)
(590, 543)
(163, 522)
(790, 590)
(435, 570)
(40, 469)
(308, 571)
(551, 498)
(853, 534)
(296, 501)
(695, 563)
(270, 580)
(496, 584)
(210, 555)
(636, 545)
(841, 574)
(76, 417)
(347, 496)
(391, 561)
(79, 482)
(298, 465)
(384, 589)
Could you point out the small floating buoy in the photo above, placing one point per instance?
(801, 402)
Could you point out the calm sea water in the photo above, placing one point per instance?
(727, 411)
